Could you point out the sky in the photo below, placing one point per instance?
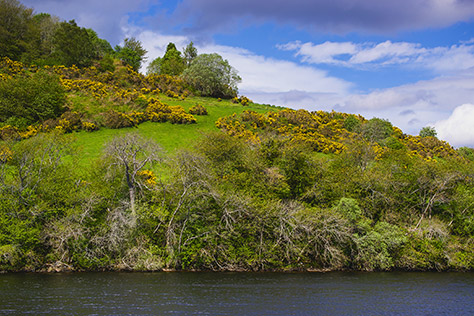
(408, 61)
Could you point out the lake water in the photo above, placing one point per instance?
(189, 293)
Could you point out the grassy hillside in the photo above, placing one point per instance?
(170, 136)
(245, 187)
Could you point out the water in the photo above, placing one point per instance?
(186, 293)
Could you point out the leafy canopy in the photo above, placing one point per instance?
(31, 99)
(211, 75)
(132, 53)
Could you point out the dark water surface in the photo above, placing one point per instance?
(186, 293)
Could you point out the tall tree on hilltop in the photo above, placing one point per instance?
(73, 45)
(190, 52)
(211, 75)
(172, 62)
(132, 53)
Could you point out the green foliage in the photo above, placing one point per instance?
(428, 131)
(296, 164)
(379, 248)
(376, 129)
(211, 75)
(32, 99)
(15, 29)
(101, 46)
(467, 153)
(352, 124)
(154, 67)
(350, 209)
(172, 62)
(132, 53)
(190, 53)
(73, 45)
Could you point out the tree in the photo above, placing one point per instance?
(211, 75)
(190, 53)
(172, 62)
(15, 22)
(42, 45)
(155, 66)
(101, 46)
(73, 45)
(130, 154)
(428, 131)
(132, 53)
(376, 129)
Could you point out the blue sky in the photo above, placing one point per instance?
(408, 61)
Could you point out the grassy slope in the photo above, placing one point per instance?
(170, 136)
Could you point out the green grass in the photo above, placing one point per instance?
(170, 137)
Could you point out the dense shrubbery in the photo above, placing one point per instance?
(25, 100)
(230, 204)
(332, 132)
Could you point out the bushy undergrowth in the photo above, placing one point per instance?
(229, 204)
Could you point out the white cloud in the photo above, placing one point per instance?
(262, 74)
(326, 53)
(458, 129)
(349, 54)
(387, 53)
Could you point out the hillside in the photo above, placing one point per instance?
(124, 176)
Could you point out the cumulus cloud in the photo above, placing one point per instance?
(458, 129)
(325, 53)
(339, 16)
(349, 54)
(263, 74)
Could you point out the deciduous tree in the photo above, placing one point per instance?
(211, 75)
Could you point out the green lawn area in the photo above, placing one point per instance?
(169, 136)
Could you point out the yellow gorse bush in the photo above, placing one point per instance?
(5, 153)
(148, 177)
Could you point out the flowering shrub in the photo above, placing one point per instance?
(9, 132)
(198, 109)
(114, 119)
(160, 112)
(171, 94)
(320, 130)
(10, 67)
(244, 101)
(148, 177)
(5, 153)
(89, 126)
(179, 116)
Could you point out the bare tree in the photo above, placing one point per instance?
(131, 153)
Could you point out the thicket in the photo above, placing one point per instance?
(233, 204)
(29, 99)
